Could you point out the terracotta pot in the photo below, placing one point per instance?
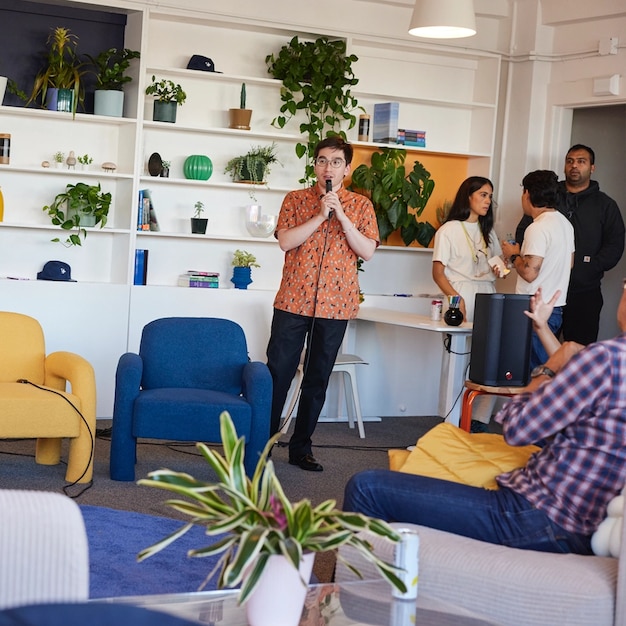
(240, 118)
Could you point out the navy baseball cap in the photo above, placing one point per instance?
(199, 62)
(56, 270)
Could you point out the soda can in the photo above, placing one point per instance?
(436, 307)
(406, 557)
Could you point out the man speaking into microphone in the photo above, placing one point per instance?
(323, 230)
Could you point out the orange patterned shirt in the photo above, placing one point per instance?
(337, 284)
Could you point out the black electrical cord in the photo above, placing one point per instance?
(66, 487)
(447, 342)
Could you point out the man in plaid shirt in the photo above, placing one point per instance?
(575, 405)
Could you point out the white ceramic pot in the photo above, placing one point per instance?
(279, 597)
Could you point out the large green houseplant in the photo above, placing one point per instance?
(399, 198)
(317, 77)
(256, 518)
(64, 69)
(78, 206)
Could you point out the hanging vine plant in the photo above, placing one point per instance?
(317, 77)
(399, 198)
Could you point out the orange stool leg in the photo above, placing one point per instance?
(466, 408)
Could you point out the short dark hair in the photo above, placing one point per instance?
(580, 146)
(542, 187)
(335, 142)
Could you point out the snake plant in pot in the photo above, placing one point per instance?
(251, 523)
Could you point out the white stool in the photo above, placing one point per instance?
(346, 365)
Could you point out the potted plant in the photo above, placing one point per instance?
(198, 223)
(261, 527)
(243, 262)
(165, 169)
(78, 206)
(59, 84)
(111, 67)
(254, 166)
(393, 192)
(84, 161)
(168, 95)
(240, 118)
(58, 158)
(317, 77)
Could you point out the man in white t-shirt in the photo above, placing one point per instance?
(547, 254)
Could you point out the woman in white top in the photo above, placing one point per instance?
(463, 246)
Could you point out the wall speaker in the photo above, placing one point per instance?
(500, 355)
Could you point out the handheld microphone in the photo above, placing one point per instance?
(329, 188)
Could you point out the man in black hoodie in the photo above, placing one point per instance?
(599, 240)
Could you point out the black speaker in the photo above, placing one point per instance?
(501, 337)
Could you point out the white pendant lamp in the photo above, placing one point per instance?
(443, 19)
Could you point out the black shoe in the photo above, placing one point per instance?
(307, 462)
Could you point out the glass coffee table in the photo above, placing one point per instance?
(345, 604)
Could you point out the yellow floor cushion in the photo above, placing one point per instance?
(450, 453)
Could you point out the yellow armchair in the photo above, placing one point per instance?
(35, 401)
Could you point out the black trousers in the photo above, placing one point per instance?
(323, 338)
(581, 316)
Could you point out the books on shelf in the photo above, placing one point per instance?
(412, 137)
(385, 128)
(141, 267)
(146, 215)
(198, 278)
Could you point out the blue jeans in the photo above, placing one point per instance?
(495, 516)
(538, 354)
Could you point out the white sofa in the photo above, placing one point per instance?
(44, 555)
(510, 586)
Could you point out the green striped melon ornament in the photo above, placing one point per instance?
(198, 167)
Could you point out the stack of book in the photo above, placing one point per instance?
(146, 215)
(196, 278)
(412, 137)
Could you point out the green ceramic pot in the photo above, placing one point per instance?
(198, 167)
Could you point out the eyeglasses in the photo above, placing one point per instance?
(323, 162)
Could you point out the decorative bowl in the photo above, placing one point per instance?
(257, 223)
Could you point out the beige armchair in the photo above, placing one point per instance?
(510, 586)
(40, 407)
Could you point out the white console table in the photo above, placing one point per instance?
(454, 358)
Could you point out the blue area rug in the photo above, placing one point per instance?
(116, 537)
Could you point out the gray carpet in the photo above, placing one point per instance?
(336, 446)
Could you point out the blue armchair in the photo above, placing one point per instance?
(187, 372)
